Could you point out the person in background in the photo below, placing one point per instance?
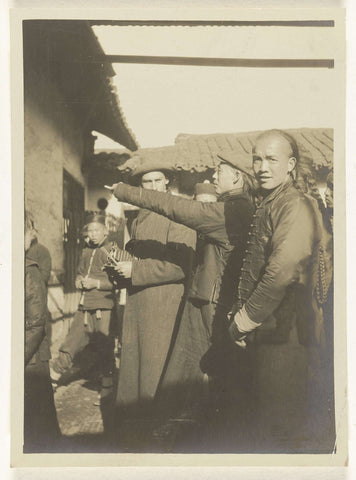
(328, 312)
(158, 276)
(329, 198)
(202, 349)
(40, 254)
(274, 316)
(92, 321)
(41, 430)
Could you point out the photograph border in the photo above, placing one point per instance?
(89, 460)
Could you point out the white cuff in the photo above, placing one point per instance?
(243, 322)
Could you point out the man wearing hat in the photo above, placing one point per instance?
(164, 253)
(92, 320)
(203, 329)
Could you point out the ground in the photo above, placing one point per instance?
(81, 421)
(76, 412)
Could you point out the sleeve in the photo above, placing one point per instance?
(98, 273)
(105, 284)
(180, 251)
(291, 250)
(35, 312)
(81, 266)
(205, 218)
(45, 263)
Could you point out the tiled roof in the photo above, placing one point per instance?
(315, 145)
(109, 159)
(198, 152)
(174, 157)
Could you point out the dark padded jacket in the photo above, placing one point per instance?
(276, 277)
(36, 342)
(91, 264)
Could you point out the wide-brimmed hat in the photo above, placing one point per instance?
(237, 160)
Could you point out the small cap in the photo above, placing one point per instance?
(94, 217)
(237, 160)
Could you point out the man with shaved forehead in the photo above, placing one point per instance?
(274, 315)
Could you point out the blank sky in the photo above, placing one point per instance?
(159, 102)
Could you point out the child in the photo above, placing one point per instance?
(92, 320)
(40, 420)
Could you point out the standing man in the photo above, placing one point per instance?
(41, 430)
(275, 285)
(156, 296)
(202, 348)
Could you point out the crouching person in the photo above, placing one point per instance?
(92, 321)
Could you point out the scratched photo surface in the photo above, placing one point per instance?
(181, 281)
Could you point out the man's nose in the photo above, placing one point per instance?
(215, 175)
(264, 165)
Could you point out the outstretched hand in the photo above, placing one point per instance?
(112, 187)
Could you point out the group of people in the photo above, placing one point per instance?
(227, 327)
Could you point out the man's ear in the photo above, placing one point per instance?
(236, 175)
(292, 162)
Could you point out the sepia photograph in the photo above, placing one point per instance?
(181, 281)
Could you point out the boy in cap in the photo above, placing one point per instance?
(92, 319)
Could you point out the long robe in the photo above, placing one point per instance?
(154, 305)
(200, 348)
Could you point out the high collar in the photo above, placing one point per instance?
(231, 194)
(102, 244)
(277, 191)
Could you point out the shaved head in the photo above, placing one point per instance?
(275, 156)
(281, 136)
